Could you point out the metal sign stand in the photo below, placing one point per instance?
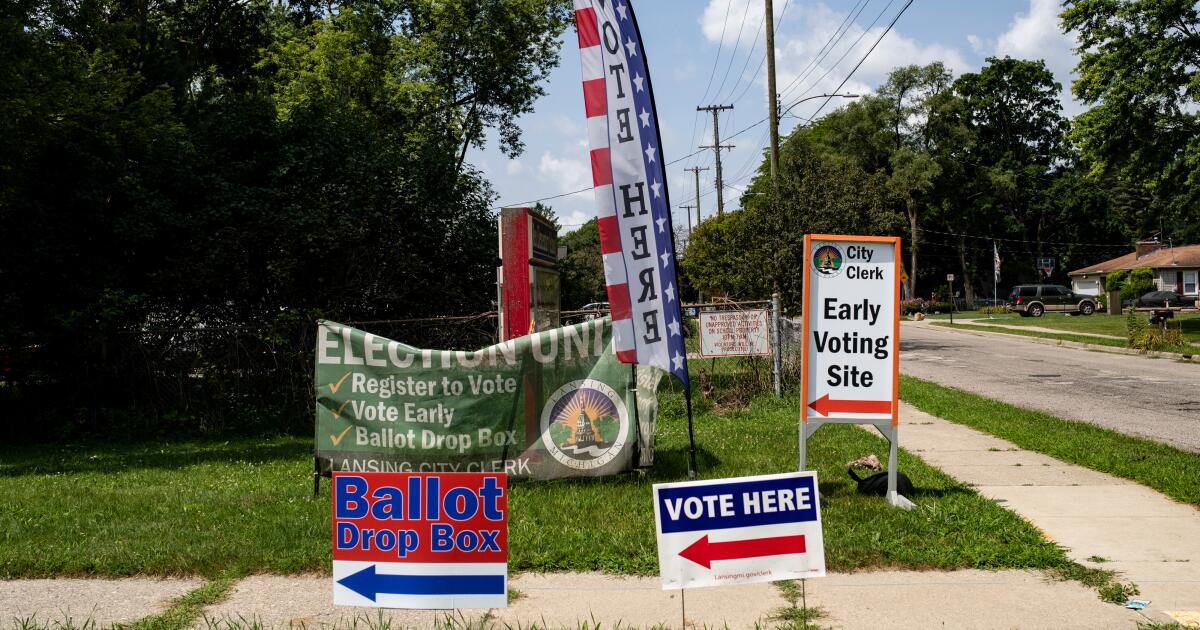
(885, 428)
(888, 427)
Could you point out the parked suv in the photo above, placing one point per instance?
(1033, 300)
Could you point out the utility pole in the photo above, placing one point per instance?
(688, 210)
(717, 146)
(696, 170)
(772, 97)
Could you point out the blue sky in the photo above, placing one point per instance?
(687, 41)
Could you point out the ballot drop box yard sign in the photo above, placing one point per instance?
(420, 540)
(851, 327)
(734, 531)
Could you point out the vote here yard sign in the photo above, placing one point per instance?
(733, 531)
(851, 327)
(420, 540)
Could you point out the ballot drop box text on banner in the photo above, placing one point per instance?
(553, 404)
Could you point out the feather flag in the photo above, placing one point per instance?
(630, 188)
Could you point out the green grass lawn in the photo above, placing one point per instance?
(1020, 332)
(1174, 472)
(231, 507)
(1098, 324)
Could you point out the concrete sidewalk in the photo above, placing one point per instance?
(888, 599)
(1148, 538)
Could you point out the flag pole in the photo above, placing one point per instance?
(687, 383)
(995, 275)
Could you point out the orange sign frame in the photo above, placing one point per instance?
(808, 240)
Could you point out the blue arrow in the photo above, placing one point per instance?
(368, 583)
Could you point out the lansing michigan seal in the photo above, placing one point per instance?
(827, 261)
(585, 424)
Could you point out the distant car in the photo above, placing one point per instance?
(1166, 298)
(595, 306)
(982, 302)
(1034, 300)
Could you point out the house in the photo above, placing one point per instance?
(1175, 268)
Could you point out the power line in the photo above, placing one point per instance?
(837, 35)
(864, 57)
(737, 43)
(849, 49)
(1019, 240)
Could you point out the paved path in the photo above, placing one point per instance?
(1154, 398)
(1147, 537)
(889, 599)
(69, 603)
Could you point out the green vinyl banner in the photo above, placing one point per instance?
(549, 405)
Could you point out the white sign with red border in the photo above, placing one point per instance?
(851, 328)
(734, 333)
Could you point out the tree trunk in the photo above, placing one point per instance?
(968, 284)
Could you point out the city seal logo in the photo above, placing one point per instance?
(827, 261)
(585, 424)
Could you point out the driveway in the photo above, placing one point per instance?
(1153, 398)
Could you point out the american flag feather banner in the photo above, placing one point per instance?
(630, 187)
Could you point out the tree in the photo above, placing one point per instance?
(232, 164)
(751, 253)
(1139, 68)
(582, 269)
(1018, 149)
(724, 258)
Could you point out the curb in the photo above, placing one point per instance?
(1152, 354)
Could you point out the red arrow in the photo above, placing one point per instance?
(825, 406)
(704, 553)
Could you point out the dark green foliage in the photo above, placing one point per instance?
(1138, 70)
(1116, 280)
(582, 268)
(251, 165)
(1140, 282)
(948, 165)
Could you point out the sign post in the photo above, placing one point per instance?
(736, 531)
(953, 302)
(851, 363)
(420, 540)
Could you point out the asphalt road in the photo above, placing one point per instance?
(1153, 398)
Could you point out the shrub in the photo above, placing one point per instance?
(1145, 336)
(938, 307)
(1115, 280)
(913, 306)
(993, 310)
(1140, 282)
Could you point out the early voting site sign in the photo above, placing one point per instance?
(734, 333)
(549, 405)
(851, 327)
(420, 540)
(734, 531)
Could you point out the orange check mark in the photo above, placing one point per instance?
(337, 439)
(333, 387)
(337, 415)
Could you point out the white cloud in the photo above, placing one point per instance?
(566, 174)
(1035, 34)
(514, 167)
(808, 65)
(726, 20)
(569, 174)
(978, 44)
